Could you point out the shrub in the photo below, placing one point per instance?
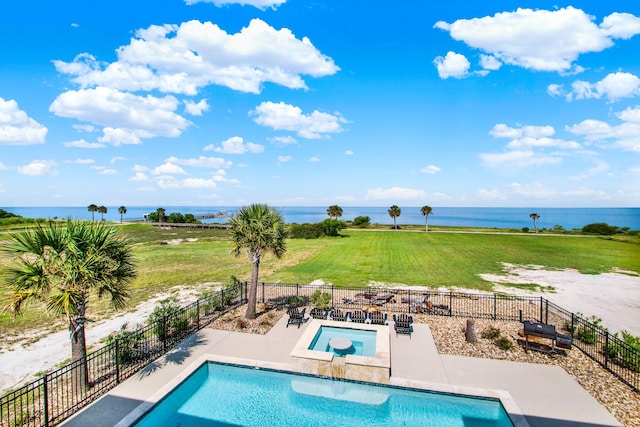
(305, 231)
(503, 343)
(295, 301)
(490, 333)
(362, 221)
(320, 299)
(129, 343)
(600, 228)
(587, 331)
(166, 319)
(525, 229)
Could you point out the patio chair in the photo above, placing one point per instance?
(403, 324)
(378, 318)
(340, 316)
(358, 316)
(318, 313)
(296, 317)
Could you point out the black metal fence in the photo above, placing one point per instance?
(59, 394)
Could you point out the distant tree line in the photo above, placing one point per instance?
(160, 215)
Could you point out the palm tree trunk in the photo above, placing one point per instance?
(80, 377)
(253, 289)
(426, 223)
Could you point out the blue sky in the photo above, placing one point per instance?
(292, 102)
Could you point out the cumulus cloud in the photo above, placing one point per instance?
(625, 135)
(348, 153)
(281, 116)
(235, 145)
(284, 159)
(139, 176)
(452, 65)
(314, 159)
(490, 62)
(282, 140)
(395, 193)
(431, 169)
(260, 4)
(38, 167)
(531, 137)
(196, 108)
(542, 40)
(126, 117)
(184, 58)
(168, 168)
(614, 87)
(81, 161)
(17, 128)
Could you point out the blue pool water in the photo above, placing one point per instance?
(363, 341)
(224, 395)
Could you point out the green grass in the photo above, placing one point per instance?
(354, 259)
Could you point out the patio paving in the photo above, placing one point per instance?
(546, 395)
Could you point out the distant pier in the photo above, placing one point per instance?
(210, 215)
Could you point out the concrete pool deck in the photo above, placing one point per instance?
(544, 395)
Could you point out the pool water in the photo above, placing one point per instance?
(363, 342)
(229, 395)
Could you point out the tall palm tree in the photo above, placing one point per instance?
(103, 210)
(122, 210)
(257, 229)
(92, 208)
(63, 264)
(334, 211)
(426, 211)
(161, 214)
(535, 217)
(394, 212)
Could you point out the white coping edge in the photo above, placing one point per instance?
(508, 402)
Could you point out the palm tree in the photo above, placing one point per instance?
(334, 211)
(394, 212)
(257, 229)
(102, 210)
(63, 264)
(122, 210)
(426, 211)
(535, 217)
(161, 213)
(92, 208)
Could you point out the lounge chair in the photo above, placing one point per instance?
(296, 317)
(317, 313)
(403, 324)
(378, 318)
(340, 316)
(358, 316)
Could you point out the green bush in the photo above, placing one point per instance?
(295, 301)
(320, 299)
(328, 227)
(587, 331)
(129, 343)
(166, 319)
(600, 228)
(362, 221)
(503, 343)
(491, 333)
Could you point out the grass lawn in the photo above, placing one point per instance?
(354, 259)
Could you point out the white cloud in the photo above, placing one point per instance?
(314, 159)
(281, 116)
(348, 153)
(81, 143)
(599, 168)
(503, 131)
(625, 136)
(452, 65)
(140, 168)
(84, 128)
(115, 159)
(614, 87)
(108, 172)
(3, 166)
(484, 194)
(541, 39)
(38, 167)
(395, 193)
(282, 140)
(534, 190)
(235, 145)
(516, 159)
(201, 162)
(126, 117)
(260, 4)
(196, 108)
(284, 159)
(81, 161)
(431, 169)
(183, 58)
(527, 142)
(17, 128)
(139, 176)
(170, 183)
(169, 169)
(555, 90)
(490, 62)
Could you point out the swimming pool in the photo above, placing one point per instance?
(363, 342)
(230, 395)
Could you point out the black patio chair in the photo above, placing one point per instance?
(296, 317)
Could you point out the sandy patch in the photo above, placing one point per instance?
(19, 361)
(613, 297)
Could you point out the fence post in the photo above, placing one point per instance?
(45, 403)
(409, 302)
(333, 301)
(297, 290)
(573, 328)
(222, 298)
(546, 311)
(117, 346)
(164, 334)
(450, 304)
(495, 308)
(198, 314)
(606, 350)
(263, 292)
(541, 308)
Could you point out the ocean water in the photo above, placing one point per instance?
(516, 218)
